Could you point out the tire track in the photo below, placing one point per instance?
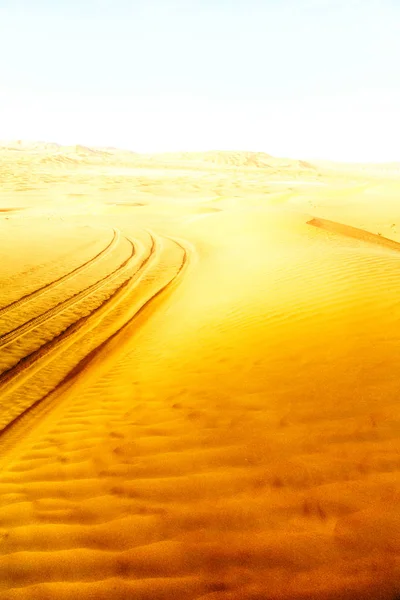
(18, 332)
(21, 302)
(29, 364)
(28, 420)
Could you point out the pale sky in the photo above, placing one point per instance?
(298, 78)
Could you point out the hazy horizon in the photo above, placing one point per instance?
(4, 143)
(310, 79)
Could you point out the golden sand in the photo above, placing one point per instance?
(199, 388)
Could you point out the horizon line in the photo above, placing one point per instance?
(4, 143)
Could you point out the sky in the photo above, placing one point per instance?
(296, 78)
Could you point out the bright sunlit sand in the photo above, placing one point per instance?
(199, 300)
(199, 388)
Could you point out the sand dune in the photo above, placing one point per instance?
(199, 396)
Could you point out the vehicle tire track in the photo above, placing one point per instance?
(60, 280)
(31, 363)
(28, 420)
(18, 332)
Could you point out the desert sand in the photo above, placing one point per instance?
(199, 376)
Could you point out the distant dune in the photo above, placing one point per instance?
(236, 159)
(229, 159)
(58, 159)
(29, 146)
(80, 150)
(219, 159)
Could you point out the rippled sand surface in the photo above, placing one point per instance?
(199, 388)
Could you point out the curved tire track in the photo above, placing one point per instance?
(60, 280)
(28, 419)
(21, 330)
(31, 363)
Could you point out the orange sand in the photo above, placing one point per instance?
(199, 397)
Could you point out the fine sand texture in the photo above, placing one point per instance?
(199, 378)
